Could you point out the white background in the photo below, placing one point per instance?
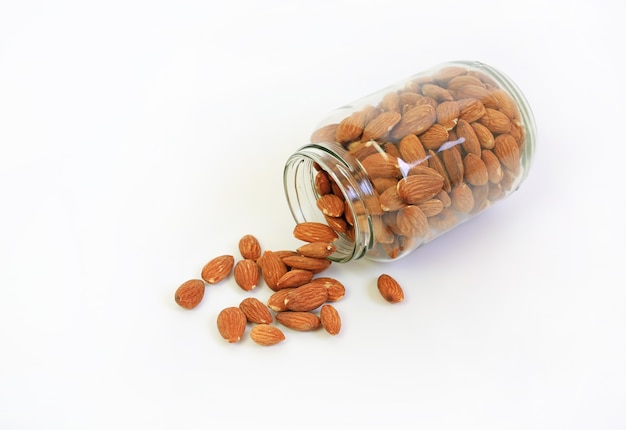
(139, 139)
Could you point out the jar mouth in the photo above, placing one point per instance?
(299, 183)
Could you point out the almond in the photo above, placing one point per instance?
(471, 110)
(494, 168)
(276, 301)
(256, 311)
(435, 163)
(381, 165)
(485, 137)
(380, 126)
(294, 278)
(326, 133)
(462, 198)
(495, 121)
(411, 222)
(448, 114)
(431, 207)
(249, 247)
(218, 269)
(298, 320)
(314, 232)
(475, 170)
(411, 150)
(266, 335)
(390, 200)
(434, 137)
(390, 289)
(416, 189)
(466, 132)
(273, 269)
(350, 128)
(316, 249)
(507, 151)
(190, 293)
(414, 121)
(454, 165)
(247, 274)
(436, 92)
(306, 297)
(330, 205)
(336, 290)
(330, 319)
(314, 265)
(231, 324)
(322, 183)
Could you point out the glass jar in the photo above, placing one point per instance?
(394, 170)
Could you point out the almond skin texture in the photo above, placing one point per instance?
(247, 274)
(307, 297)
(218, 269)
(276, 301)
(294, 278)
(256, 311)
(266, 334)
(249, 247)
(330, 319)
(315, 265)
(416, 189)
(330, 205)
(316, 249)
(300, 321)
(190, 293)
(231, 323)
(273, 269)
(336, 290)
(314, 232)
(390, 289)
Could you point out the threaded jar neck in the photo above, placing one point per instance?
(352, 184)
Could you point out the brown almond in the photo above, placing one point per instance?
(266, 334)
(390, 289)
(336, 290)
(475, 170)
(247, 274)
(330, 205)
(411, 150)
(231, 323)
(434, 137)
(416, 189)
(256, 311)
(190, 293)
(495, 121)
(431, 207)
(314, 232)
(330, 319)
(218, 269)
(414, 121)
(448, 114)
(326, 133)
(494, 168)
(276, 301)
(390, 200)
(505, 103)
(299, 320)
(507, 151)
(471, 110)
(381, 165)
(322, 183)
(435, 163)
(294, 278)
(380, 126)
(306, 297)
(466, 132)
(485, 137)
(436, 92)
(249, 247)
(462, 198)
(316, 249)
(411, 222)
(314, 265)
(454, 164)
(273, 269)
(444, 221)
(350, 128)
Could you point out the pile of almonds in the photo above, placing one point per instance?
(301, 298)
(438, 150)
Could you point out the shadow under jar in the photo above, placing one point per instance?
(394, 170)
